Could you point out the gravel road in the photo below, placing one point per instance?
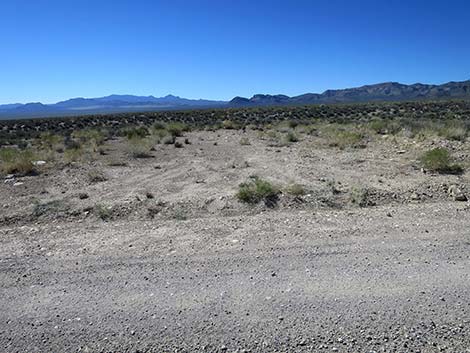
(360, 280)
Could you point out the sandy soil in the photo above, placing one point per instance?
(181, 265)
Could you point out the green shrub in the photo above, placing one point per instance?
(257, 190)
(176, 129)
(15, 161)
(136, 132)
(439, 160)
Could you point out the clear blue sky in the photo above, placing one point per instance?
(53, 50)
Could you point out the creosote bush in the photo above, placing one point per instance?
(257, 190)
(440, 160)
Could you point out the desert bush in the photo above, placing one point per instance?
(229, 125)
(89, 136)
(295, 190)
(168, 140)
(16, 161)
(176, 129)
(136, 132)
(103, 212)
(359, 196)
(159, 125)
(49, 208)
(345, 138)
(50, 141)
(454, 130)
(291, 136)
(138, 147)
(440, 160)
(74, 153)
(384, 126)
(257, 190)
(96, 176)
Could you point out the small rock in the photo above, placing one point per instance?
(38, 163)
(457, 194)
(414, 197)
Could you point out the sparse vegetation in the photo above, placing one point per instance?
(139, 147)
(16, 161)
(440, 160)
(176, 129)
(295, 189)
(103, 212)
(344, 137)
(96, 176)
(245, 141)
(359, 196)
(229, 125)
(257, 190)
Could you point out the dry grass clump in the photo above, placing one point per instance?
(103, 212)
(343, 137)
(138, 147)
(16, 161)
(295, 189)
(230, 125)
(384, 126)
(454, 130)
(93, 137)
(177, 129)
(359, 196)
(96, 176)
(244, 141)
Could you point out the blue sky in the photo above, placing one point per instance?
(54, 50)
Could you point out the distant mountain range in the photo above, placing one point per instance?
(389, 91)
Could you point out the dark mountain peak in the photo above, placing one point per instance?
(168, 96)
(240, 101)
